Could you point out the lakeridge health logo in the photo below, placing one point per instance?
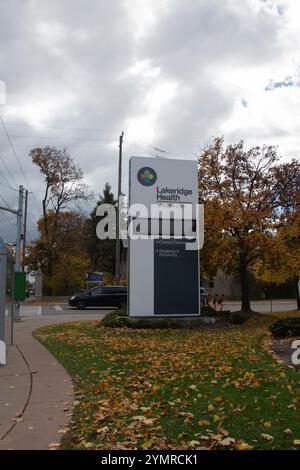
(147, 176)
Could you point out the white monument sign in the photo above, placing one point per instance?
(163, 252)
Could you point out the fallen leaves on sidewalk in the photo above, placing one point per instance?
(17, 420)
(53, 445)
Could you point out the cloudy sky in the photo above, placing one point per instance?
(170, 73)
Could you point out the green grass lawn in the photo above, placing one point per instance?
(176, 389)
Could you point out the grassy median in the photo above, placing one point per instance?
(176, 389)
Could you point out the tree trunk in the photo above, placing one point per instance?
(49, 272)
(244, 284)
(297, 292)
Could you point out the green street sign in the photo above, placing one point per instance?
(19, 286)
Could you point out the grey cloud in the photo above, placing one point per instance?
(82, 50)
(193, 117)
(196, 34)
(92, 50)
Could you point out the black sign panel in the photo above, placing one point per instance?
(176, 278)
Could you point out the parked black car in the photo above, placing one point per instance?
(104, 296)
(203, 293)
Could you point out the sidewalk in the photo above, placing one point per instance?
(36, 393)
(47, 300)
(263, 306)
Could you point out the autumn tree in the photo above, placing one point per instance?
(64, 191)
(246, 194)
(69, 253)
(281, 262)
(101, 252)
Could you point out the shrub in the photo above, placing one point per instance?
(208, 311)
(153, 324)
(122, 312)
(238, 318)
(116, 319)
(119, 318)
(224, 313)
(286, 327)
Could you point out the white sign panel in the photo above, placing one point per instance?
(163, 273)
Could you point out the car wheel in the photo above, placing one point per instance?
(80, 304)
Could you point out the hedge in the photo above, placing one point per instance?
(286, 327)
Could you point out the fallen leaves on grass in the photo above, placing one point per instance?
(223, 431)
(243, 446)
(203, 422)
(267, 437)
(267, 424)
(168, 389)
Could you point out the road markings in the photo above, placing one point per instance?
(58, 307)
(29, 310)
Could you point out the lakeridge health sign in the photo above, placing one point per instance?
(163, 274)
(155, 180)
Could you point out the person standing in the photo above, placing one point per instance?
(221, 302)
(215, 301)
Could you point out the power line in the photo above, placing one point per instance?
(5, 201)
(18, 160)
(7, 186)
(7, 219)
(66, 144)
(4, 177)
(14, 151)
(96, 129)
(8, 171)
(53, 137)
(8, 203)
(3, 213)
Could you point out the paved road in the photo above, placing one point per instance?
(59, 309)
(264, 306)
(65, 309)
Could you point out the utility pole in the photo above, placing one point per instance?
(19, 214)
(19, 229)
(117, 274)
(18, 244)
(25, 229)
